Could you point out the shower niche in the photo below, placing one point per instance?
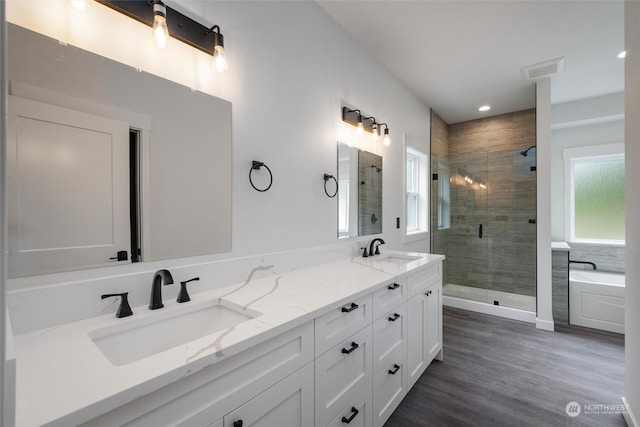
(483, 208)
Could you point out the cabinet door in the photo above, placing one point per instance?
(416, 331)
(389, 338)
(389, 388)
(433, 327)
(288, 403)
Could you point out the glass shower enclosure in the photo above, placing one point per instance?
(483, 210)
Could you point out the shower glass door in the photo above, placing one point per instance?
(459, 223)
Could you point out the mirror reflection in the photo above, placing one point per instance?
(359, 192)
(107, 164)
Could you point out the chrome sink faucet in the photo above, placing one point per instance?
(156, 289)
(373, 245)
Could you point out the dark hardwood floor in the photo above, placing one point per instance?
(500, 372)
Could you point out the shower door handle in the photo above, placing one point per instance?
(480, 232)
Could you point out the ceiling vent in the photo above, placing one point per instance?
(543, 69)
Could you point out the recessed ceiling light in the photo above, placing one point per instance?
(622, 54)
(484, 108)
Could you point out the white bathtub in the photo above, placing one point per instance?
(596, 300)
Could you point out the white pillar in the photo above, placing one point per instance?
(632, 196)
(544, 317)
(3, 224)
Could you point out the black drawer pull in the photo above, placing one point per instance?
(351, 308)
(395, 369)
(237, 423)
(394, 317)
(354, 345)
(392, 287)
(427, 293)
(354, 413)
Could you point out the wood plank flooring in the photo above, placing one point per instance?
(500, 372)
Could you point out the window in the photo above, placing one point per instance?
(416, 192)
(595, 194)
(444, 196)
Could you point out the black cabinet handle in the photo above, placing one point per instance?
(237, 423)
(480, 232)
(394, 317)
(392, 287)
(354, 413)
(352, 307)
(395, 369)
(427, 293)
(354, 345)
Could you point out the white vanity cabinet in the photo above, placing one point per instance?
(351, 365)
(424, 325)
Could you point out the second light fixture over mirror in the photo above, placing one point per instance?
(366, 124)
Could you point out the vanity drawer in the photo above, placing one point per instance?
(424, 277)
(335, 326)
(392, 294)
(358, 413)
(389, 388)
(341, 373)
(389, 338)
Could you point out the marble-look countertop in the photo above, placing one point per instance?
(64, 379)
(560, 246)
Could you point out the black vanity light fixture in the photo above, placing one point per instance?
(369, 124)
(166, 22)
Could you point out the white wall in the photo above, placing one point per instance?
(632, 155)
(290, 68)
(592, 121)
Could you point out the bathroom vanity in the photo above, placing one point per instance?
(330, 344)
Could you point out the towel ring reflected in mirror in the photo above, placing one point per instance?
(328, 177)
(256, 165)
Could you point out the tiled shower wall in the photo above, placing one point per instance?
(487, 152)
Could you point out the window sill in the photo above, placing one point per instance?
(416, 236)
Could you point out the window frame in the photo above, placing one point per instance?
(572, 156)
(421, 181)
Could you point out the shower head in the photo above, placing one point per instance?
(526, 152)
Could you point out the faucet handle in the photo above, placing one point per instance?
(183, 296)
(365, 254)
(124, 310)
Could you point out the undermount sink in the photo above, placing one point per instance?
(136, 339)
(398, 259)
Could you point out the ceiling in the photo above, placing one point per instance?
(459, 55)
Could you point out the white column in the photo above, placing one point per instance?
(632, 195)
(3, 224)
(544, 317)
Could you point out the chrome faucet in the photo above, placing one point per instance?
(377, 247)
(156, 290)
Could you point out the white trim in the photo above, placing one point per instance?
(545, 325)
(494, 310)
(629, 417)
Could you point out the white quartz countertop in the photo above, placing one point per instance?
(560, 246)
(64, 379)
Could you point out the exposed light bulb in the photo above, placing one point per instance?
(386, 141)
(484, 108)
(622, 54)
(360, 126)
(375, 133)
(160, 30)
(219, 60)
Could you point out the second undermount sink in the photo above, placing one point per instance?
(398, 259)
(136, 339)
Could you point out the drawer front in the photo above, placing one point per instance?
(288, 403)
(392, 294)
(358, 413)
(389, 338)
(341, 374)
(421, 279)
(389, 388)
(212, 392)
(335, 326)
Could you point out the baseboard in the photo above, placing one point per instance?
(629, 418)
(495, 310)
(545, 325)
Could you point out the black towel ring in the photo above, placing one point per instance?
(327, 177)
(255, 165)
